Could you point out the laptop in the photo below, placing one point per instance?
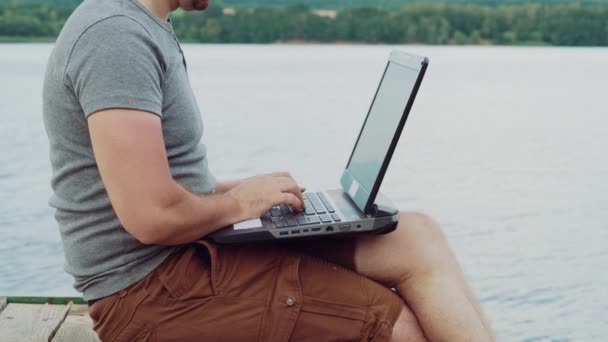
(357, 207)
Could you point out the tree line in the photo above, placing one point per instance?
(333, 4)
(527, 24)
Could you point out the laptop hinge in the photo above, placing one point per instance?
(382, 210)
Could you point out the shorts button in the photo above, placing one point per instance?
(290, 301)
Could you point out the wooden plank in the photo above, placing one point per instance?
(27, 322)
(79, 310)
(3, 303)
(45, 300)
(78, 326)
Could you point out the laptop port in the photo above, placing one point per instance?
(329, 229)
(358, 226)
(345, 227)
(283, 233)
(297, 231)
(305, 231)
(316, 229)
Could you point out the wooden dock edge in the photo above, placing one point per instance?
(45, 319)
(3, 303)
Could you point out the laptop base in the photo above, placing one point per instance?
(382, 220)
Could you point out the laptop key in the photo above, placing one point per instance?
(314, 200)
(275, 212)
(322, 197)
(318, 207)
(303, 220)
(309, 211)
(281, 224)
(314, 219)
(285, 210)
(325, 218)
(276, 219)
(336, 217)
(292, 222)
(328, 206)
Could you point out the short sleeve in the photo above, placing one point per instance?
(116, 64)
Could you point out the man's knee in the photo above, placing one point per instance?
(420, 227)
(417, 246)
(423, 241)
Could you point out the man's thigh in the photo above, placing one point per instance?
(341, 305)
(249, 293)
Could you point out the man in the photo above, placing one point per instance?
(134, 194)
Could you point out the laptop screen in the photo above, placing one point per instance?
(381, 125)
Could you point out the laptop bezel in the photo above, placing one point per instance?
(364, 198)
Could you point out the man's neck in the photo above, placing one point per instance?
(161, 8)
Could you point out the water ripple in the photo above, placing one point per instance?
(520, 191)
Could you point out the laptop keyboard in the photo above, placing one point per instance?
(317, 210)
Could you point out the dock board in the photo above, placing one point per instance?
(45, 322)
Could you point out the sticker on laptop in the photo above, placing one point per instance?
(249, 224)
(354, 188)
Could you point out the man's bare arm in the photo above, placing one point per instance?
(225, 186)
(131, 156)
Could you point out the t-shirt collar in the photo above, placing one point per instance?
(164, 24)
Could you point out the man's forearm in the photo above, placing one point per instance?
(171, 215)
(192, 217)
(225, 186)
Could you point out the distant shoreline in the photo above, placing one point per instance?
(531, 24)
(51, 40)
(19, 40)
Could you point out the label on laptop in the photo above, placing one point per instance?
(249, 224)
(354, 188)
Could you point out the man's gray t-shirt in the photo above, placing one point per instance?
(114, 54)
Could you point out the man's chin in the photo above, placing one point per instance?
(194, 5)
(201, 5)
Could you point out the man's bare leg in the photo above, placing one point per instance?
(417, 261)
(407, 328)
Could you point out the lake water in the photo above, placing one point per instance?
(506, 148)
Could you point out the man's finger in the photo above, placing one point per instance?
(280, 174)
(290, 199)
(289, 185)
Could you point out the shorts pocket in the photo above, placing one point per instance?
(187, 275)
(323, 307)
(120, 322)
(330, 321)
(223, 319)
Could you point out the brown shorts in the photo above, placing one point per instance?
(207, 292)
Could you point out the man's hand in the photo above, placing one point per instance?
(223, 187)
(257, 195)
